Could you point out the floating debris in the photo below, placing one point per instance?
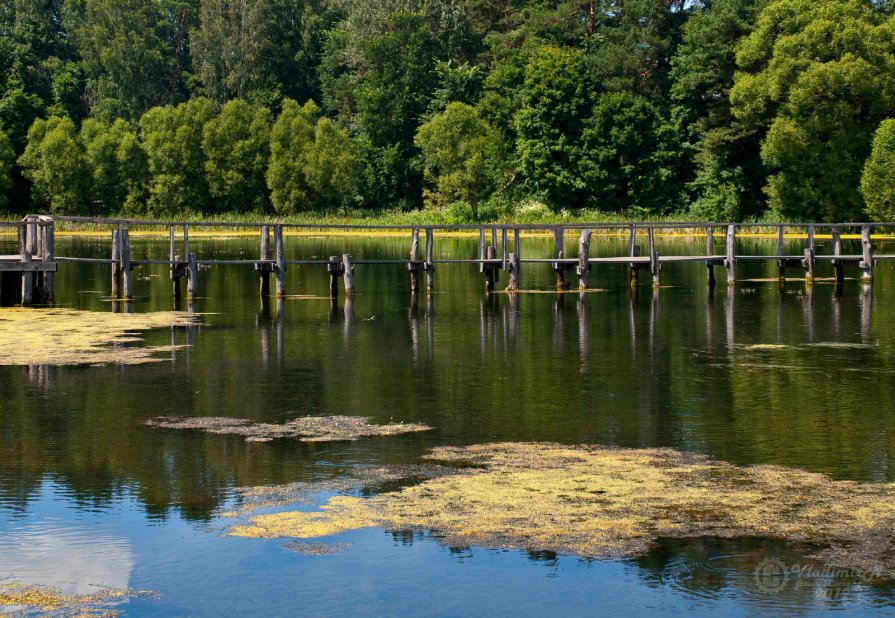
(601, 502)
(306, 429)
(71, 337)
(316, 548)
(24, 598)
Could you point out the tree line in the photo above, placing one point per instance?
(714, 109)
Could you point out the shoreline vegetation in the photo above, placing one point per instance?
(366, 222)
(450, 111)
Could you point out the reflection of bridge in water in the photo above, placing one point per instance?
(501, 323)
(29, 275)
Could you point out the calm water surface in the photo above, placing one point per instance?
(91, 497)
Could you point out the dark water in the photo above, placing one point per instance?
(91, 497)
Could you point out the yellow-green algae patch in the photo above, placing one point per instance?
(28, 598)
(71, 337)
(306, 428)
(609, 502)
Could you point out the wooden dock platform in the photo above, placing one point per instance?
(28, 276)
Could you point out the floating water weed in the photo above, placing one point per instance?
(70, 337)
(45, 600)
(306, 429)
(609, 502)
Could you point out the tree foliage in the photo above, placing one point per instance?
(816, 78)
(312, 162)
(172, 138)
(878, 178)
(54, 162)
(462, 156)
(236, 144)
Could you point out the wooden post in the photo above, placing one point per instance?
(126, 274)
(634, 251)
(710, 251)
(481, 250)
(513, 273)
(264, 255)
(503, 249)
(192, 284)
(867, 255)
(27, 280)
(559, 268)
(335, 270)
(173, 258)
(583, 258)
(730, 261)
(490, 269)
(348, 275)
(430, 260)
(837, 250)
(116, 260)
(653, 258)
(280, 250)
(413, 266)
(781, 262)
(176, 275)
(186, 242)
(49, 256)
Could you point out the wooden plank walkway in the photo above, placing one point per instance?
(499, 249)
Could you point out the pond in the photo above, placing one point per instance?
(92, 499)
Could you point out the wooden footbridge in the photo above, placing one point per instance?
(28, 276)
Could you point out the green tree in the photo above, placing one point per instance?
(816, 79)
(172, 139)
(7, 160)
(54, 163)
(556, 100)
(462, 156)
(135, 54)
(627, 156)
(236, 144)
(721, 162)
(878, 179)
(108, 157)
(313, 164)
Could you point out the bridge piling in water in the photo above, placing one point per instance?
(35, 263)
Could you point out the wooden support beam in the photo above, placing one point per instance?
(867, 255)
(49, 257)
(27, 281)
(192, 284)
(481, 250)
(559, 268)
(280, 252)
(513, 273)
(491, 275)
(176, 276)
(504, 265)
(334, 267)
(264, 255)
(634, 251)
(173, 258)
(583, 269)
(127, 282)
(808, 264)
(710, 251)
(654, 258)
(186, 242)
(413, 265)
(730, 261)
(348, 273)
(430, 260)
(116, 260)
(781, 263)
(837, 250)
